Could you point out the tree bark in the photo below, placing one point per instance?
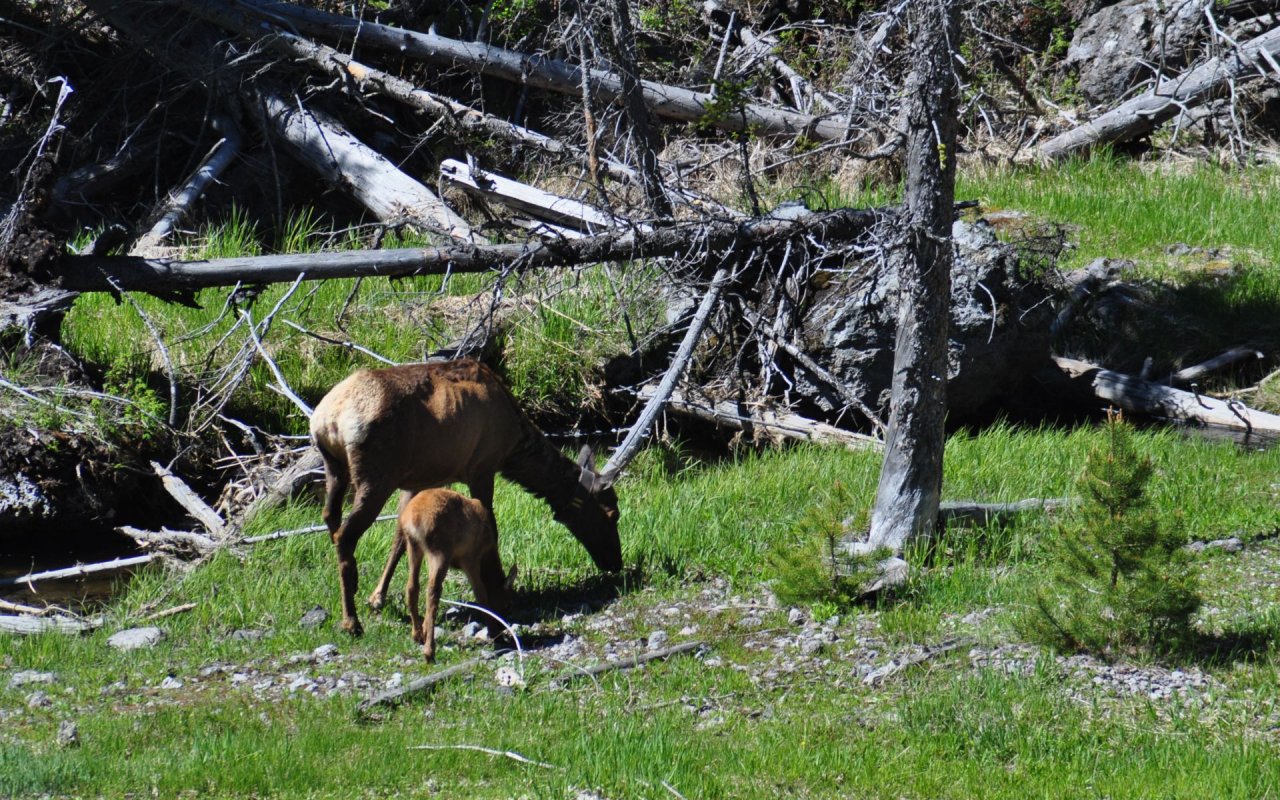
(1144, 113)
(910, 486)
(669, 102)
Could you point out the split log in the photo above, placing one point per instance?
(130, 273)
(1145, 397)
(1144, 113)
(670, 102)
(28, 626)
(1189, 375)
(375, 182)
(627, 663)
(788, 426)
(77, 571)
(520, 197)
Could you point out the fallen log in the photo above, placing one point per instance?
(419, 685)
(1145, 397)
(787, 426)
(77, 571)
(1144, 113)
(965, 512)
(375, 182)
(29, 626)
(181, 542)
(540, 72)
(626, 663)
(189, 500)
(131, 273)
(525, 199)
(1186, 377)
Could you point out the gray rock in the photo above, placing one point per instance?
(657, 640)
(136, 638)
(1114, 49)
(30, 676)
(170, 682)
(315, 617)
(999, 331)
(247, 635)
(325, 652)
(795, 616)
(471, 630)
(39, 699)
(68, 734)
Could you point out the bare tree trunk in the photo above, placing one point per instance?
(624, 44)
(911, 479)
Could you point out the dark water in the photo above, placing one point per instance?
(59, 550)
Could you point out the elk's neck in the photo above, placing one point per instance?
(542, 470)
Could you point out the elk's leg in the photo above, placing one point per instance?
(411, 594)
(379, 596)
(437, 568)
(363, 512)
(335, 489)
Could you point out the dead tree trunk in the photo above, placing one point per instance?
(624, 44)
(1142, 114)
(911, 480)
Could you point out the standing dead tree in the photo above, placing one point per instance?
(910, 487)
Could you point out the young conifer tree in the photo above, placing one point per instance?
(1120, 581)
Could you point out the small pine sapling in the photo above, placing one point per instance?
(1120, 581)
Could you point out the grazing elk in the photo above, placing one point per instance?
(422, 426)
(451, 531)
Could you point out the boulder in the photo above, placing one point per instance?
(1000, 318)
(1121, 46)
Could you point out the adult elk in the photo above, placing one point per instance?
(450, 530)
(421, 426)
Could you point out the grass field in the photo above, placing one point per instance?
(242, 700)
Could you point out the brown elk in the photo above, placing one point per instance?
(422, 426)
(450, 530)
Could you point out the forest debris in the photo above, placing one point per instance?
(528, 199)
(97, 273)
(787, 426)
(1192, 374)
(1135, 394)
(29, 626)
(627, 663)
(188, 499)
(897, 665)
(77, 571)
(670, 102)
(967, 512)
(1142, 114)
(420, 685)
(170, 541)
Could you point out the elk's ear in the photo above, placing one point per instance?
(585, 456)
(510, 582)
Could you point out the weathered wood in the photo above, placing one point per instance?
(787, 426)
(965, 512)
(189, 500)
(541, 72)
(267, 537)
(375, 182)
(1145, 397)
(626, 663)
(95, 273)
(640, 429)
(77, 571)
(1142, 114)
(29, 626)
(309, 467)
(528, 199)
(220, 157)
(183, 541)
(38, 312)
(897, 665)
(1198, 371)
(419, 685)
(910, 486)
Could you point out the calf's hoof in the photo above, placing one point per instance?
(353, 627)
(376, 601)
(429, 654)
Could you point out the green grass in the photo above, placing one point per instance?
(944, 731)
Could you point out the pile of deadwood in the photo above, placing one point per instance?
(801, 301)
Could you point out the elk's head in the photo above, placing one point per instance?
(591, 515)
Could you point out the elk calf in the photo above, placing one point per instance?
(451, 530)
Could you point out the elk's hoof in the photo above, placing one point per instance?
(417, 636)
(376, 601)
(353, 627)
(429, 655)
